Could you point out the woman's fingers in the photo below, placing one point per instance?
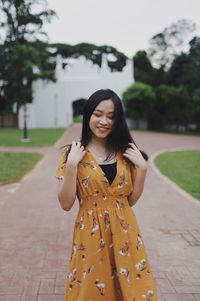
(77, 146)
(131, 150)
(128, 151)
(132, 145)
(73, 143)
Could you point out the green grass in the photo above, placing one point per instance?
(15, 165)
(182, 167)
(38, 137)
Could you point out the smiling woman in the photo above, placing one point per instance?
(106, 171)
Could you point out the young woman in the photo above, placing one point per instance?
(106, 171)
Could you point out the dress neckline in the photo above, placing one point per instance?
(108, 164)
(101, 170)
(100, 162)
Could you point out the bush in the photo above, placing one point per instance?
(139, 101)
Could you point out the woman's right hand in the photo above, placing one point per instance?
(76, 153)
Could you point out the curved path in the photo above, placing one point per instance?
(35, 234)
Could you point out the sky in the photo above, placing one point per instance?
(126, 25)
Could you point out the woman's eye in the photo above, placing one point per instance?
(98, 116)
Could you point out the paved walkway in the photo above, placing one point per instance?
(35, 234)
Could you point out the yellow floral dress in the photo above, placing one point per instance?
(108, 260)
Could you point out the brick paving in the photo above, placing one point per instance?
(35, 234)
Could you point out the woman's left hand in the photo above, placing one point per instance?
(133, 154)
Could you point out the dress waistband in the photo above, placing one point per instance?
(104, 201)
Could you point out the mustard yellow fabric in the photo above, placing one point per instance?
(108, 260)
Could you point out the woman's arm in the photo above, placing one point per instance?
(67, 187)
(140, 175)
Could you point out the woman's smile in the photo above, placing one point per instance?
(103, 129)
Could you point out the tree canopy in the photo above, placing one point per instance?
(23, 56)
(166, 45)
(175, 80)
(138, 100)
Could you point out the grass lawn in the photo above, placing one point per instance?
(38, 137)
(182, 167)
(15, 165)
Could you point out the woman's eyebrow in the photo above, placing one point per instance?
(102, 111)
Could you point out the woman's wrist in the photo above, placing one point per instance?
(71, 164)
(142, 167)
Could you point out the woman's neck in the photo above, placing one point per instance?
(99, 144)
(100, 150)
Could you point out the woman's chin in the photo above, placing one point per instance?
(101, 135)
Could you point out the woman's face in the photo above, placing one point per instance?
(102, 119)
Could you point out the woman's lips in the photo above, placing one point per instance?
(103, 128)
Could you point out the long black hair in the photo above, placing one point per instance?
(120, 136)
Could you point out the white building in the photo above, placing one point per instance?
(52, 102)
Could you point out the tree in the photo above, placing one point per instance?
(21, 22)
(138, 101)
(192, 70)
(172, 108)
(23, 56)
(93, 53)
(176, 75)
(196, 107)
(144, 71)
(169, 43)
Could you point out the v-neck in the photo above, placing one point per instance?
(101, 170)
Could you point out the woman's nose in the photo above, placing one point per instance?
(103, 120)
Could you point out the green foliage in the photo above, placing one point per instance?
(91, 52)
(23, 57)
(172, 107)
(18, 74)
(182, 167)
(15, 165)
(185, 69)
(177, 74)
(196, 107)
(145, 72)
(177, 79)
(143, 69)
(192, 69)
(138, 101)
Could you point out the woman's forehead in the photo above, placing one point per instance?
(105, 106)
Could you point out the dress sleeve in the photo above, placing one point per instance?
(60, 170)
